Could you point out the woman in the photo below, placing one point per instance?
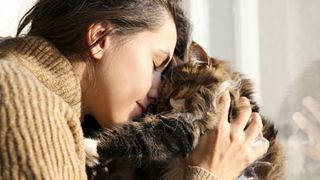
(102, 58)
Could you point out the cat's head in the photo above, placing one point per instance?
(193, 85)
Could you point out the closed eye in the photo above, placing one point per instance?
(162, 66)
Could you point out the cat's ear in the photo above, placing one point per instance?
(197, 54)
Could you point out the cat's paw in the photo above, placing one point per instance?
(92, 156)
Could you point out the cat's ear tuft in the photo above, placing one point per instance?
(197, 54)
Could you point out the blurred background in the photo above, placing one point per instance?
(274, 42)
(277, 44)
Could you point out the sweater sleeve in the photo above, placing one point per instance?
(198, 173)
(35, 139)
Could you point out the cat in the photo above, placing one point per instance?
(156, 145)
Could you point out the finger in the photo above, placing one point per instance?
(259, 151)
(308, 127)
(313, 106)
(223, 107)
(254, 129)
(308, 150)
(241, 121)
(311, 152)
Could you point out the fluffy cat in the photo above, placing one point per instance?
(155, 146)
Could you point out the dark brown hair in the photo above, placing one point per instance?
(64, 22)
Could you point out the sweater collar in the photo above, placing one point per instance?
(49, 66)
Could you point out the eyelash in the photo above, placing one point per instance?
(157, 68)
(161, 66)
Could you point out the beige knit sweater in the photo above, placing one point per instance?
(40, 109)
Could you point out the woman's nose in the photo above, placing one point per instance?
(154, 90)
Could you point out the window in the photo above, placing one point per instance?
(277, 43)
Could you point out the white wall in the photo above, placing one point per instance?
(10, 13)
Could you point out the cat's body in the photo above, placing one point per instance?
(157, 144)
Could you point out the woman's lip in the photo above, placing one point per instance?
(141, 107)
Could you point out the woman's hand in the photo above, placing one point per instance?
(310, 127)
(227, 149)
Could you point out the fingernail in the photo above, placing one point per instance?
(225, 96)
(258, 141)
(295, 116)
(298, 119)
(308, 100)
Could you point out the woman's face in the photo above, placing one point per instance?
(126, 81)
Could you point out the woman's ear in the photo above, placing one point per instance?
(97, 39)
(197, 54)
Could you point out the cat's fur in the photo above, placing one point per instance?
(155, 146)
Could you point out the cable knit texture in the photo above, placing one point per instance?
(40, 109)
(40, 132)
(195, 172)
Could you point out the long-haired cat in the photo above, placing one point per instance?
(155, 146)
